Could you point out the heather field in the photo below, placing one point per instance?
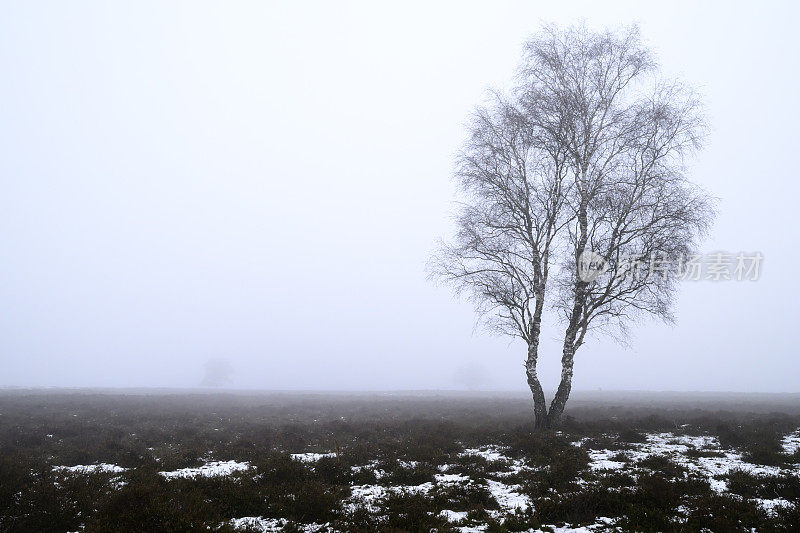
(144, 461)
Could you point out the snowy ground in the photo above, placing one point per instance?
(713, 462)
(791, 442)
(509, 497)
(675, 448)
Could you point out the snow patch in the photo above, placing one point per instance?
(91, 469)
(453, 516)
(791, 442)
(603, 524)
(601, 460)
(495, 454)
(270, 525)
(490, 453)
(675, 448)
(770, 505)
(507, 496)
(370, 496)
(311, 457)
(212, 469)
(451, 478)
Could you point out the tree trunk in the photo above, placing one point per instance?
(565, 386)
(539, 404)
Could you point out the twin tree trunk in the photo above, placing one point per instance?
(550, 418)
(572, 340)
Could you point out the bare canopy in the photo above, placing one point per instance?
(584, 158)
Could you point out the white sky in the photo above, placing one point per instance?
(263, 183)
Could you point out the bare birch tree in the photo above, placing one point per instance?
(586, 160)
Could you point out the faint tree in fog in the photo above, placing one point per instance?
(218, 373)
(585, 156)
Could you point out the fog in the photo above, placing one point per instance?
(246, 195)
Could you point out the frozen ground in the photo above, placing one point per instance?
(713, 463)
(791, 442)
(410, 465)
(676, 447)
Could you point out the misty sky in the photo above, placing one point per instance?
(257, 187)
